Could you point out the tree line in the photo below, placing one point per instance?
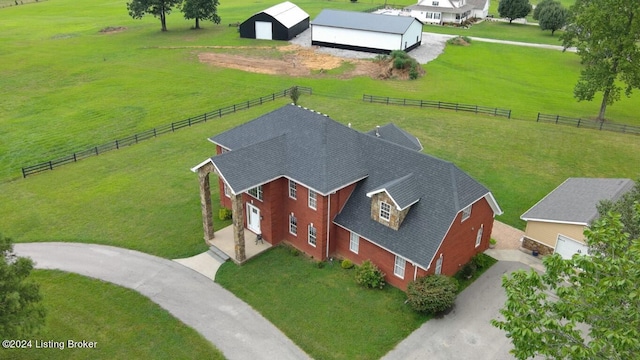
(192, 9)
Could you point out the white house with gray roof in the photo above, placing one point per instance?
(368, 32)
(448, 11)
(556, 223)
(297, 176)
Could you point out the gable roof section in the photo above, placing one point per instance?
(364, 21)
(443, 190)
(477, 4)
(403, 191)
(575, 200)
(451, 9)
(287, 13)
(396, 135)
(325, 151)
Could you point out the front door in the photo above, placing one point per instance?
(253, 218)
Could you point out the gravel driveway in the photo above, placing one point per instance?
(432, 46)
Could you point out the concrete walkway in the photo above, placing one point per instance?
(508, 247)
(230, 324)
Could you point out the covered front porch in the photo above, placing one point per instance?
(225, 242)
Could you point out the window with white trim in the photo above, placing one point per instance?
(385, 211)
(354, 242)
(293, 189)
(293, 225)
(256, 192)
(223, 150)
(311, 237)
(466, 213)
(313, 199)
(479, 235)
(227, 192)
(398, 267)
(439, 265)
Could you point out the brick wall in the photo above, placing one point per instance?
(457, 249)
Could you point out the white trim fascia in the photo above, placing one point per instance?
(258, 184)
(370, 194)
(493, 203)
(330, 191)
(382, 247)
(556, 221)
(195, 168)
(233, 192)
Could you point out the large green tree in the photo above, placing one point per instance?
(514, 9)
(553, 17)
(541, 5)
(201, 10)
(607, 36)
(21, 312)
(586, 307)
(158, 8)
(624, 207)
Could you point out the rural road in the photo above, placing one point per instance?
(230, 324)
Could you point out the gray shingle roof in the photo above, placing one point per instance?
(404, 191)
(575, 200)
(396, 135)
(364, 21)
(320, 153)
(444, 191)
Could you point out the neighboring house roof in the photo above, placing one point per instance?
(575, 200)
(310, 148)
(444, 6)
(287, 13)
(364, 21)
(478, 4)
(396, 135)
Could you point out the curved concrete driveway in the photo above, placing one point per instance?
(230, 324)
(465, 332)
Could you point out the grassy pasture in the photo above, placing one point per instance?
(65, 86)
(125, 324)
(501, 31)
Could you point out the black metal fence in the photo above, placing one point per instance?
(151, 133)
(590, 124)
(438, 104)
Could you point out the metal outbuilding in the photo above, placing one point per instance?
(375, 33)
(279, 22)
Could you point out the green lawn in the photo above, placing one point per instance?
(65, 86)
(501, 31)
(323, 310)
(125, 324)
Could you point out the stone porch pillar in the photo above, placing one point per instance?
(238, 227)
(205, 203)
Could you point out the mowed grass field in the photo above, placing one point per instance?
(122, 323)
(66, 86)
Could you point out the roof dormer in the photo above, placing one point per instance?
(390, 202)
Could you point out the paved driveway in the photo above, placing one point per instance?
(464, 333)
(229, 323)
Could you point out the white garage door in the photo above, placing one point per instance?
(263, 30)
(566, 247)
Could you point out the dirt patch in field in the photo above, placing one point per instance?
(301, 61)
(113, 29)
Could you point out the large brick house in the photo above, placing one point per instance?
(297, 176)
